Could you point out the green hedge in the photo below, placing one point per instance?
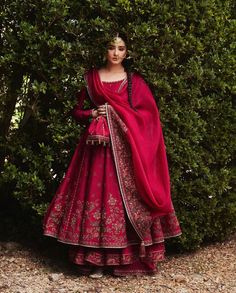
(184, 49)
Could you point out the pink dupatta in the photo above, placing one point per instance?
(142, 134)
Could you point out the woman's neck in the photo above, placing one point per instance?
(114, 68)
(112, 73)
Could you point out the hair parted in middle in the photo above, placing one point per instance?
(127, 62)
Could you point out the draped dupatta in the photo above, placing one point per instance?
(138, 147)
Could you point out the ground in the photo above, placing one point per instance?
(26, 269)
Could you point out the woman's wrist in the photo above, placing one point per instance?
(94, 113)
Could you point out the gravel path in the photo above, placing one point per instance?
(210, 269)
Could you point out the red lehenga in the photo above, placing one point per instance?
(101, 208)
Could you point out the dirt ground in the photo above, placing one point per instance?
(210, 269)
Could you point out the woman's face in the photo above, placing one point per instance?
(116, 51)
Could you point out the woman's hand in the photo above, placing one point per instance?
(94, 113)
(100, 111)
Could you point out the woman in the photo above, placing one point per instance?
(114, 206)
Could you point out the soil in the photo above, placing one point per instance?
(26, 269)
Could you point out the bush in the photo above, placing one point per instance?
(186, 53)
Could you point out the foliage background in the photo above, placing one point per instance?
(186, 52)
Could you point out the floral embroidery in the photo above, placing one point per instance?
(88, 209)
(90, 226)
(84, 256)
(97, 217)
(138, 212)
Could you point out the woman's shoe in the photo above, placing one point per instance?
(97, 273)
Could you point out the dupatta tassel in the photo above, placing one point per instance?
(142, 250)
(98, 132)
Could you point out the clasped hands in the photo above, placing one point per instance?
(100, 111)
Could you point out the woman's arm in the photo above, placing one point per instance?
(79, 112)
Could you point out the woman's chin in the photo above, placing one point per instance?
(114, 62)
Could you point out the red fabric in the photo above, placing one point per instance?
(122, 261)
(144, 136)
(89, 213)
(88, 210)
(98, 131)
(78, 112)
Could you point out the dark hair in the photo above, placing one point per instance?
(127, 66)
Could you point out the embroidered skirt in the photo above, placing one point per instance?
(88, 213)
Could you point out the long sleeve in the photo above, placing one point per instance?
(78, 112)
